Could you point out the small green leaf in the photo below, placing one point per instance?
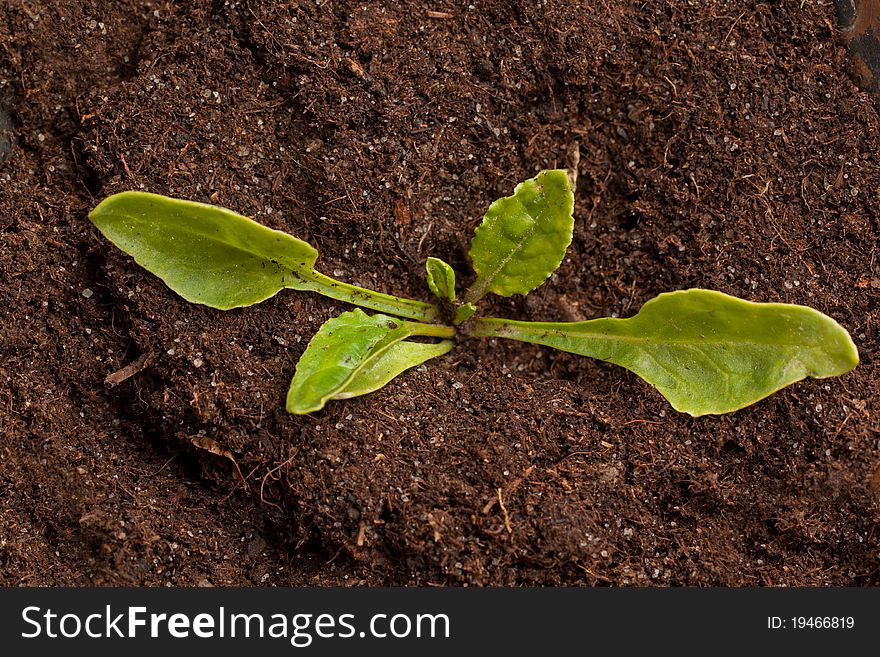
(523, 237)
(441, 279)
(216, 257)
(355, 353)
(705, 351)
(463, 313)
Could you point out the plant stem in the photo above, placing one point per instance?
(497, 327)
(588, 338)
(315, 281)
(431, 330)
(600, 338)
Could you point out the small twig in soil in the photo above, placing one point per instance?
(570, 454)
(625, 424)
(589, 572)
(516, 483)
(211, 445)
(164, 465)
(269, 474)
(504, 511)
(125, 373)
(726, 36)
(125, 490)
(840, 427)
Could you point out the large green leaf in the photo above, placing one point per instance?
(216, 257)
(523, 237)
(206, 254)
(705, 351)
(356, 353)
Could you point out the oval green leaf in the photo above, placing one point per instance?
(523, 237)
(353, 354)
(706, 352)
(213, 256)
(441, 279)
(206, 254)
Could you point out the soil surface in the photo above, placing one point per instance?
(720, 146)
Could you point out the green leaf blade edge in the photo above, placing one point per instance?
(523, 238)
(706, 352)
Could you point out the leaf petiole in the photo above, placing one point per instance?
(315, 281)
(429, 330)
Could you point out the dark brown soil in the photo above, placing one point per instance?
(721, 146)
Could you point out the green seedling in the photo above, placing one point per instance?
(706, 352)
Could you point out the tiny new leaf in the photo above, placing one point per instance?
(441, 279)
(463, 313)
(705, 351)
(356, 353)
(523, 237)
